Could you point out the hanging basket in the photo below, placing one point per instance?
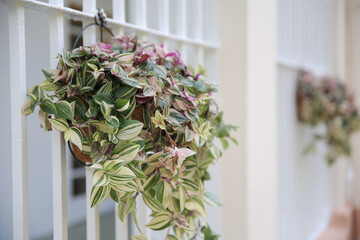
(85, 159)
(299, 105)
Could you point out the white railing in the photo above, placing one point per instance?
(309, 37)
(57, 12)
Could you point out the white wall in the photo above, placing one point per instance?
(304, 41)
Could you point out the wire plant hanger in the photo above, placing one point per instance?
(100, 21)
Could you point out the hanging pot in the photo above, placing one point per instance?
(85, 159)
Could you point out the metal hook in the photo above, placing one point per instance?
(100, 20)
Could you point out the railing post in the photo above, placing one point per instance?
(56, 31)
(92, 214)
(18, 120)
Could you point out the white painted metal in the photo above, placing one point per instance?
(92, 214)
(118, 9)
(199, 28)
(60, 232)
(164, 18)
(181, 24)
(143, 211)
(74, 14)
(121, 228)
(18, 120)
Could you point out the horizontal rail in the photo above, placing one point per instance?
(78, 15)
(295, 65)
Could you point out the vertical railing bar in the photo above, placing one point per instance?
(118, 9)
(18, 120)
(141, 17)
(164, 19)
(121, 228)
(199, 29)
(142, 211)
(56, 32)
(92, 214)
(181, 25)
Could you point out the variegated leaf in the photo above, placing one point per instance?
(123, 176)
(126, 152)
(160, 221)
(59, 124)
(99, 194)
(100, 178)
(153, 204)
(131, 129)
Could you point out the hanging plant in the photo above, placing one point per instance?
(146, 122)
(326, 101)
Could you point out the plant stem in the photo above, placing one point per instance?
(171, 141)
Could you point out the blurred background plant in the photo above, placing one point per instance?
(327, 101)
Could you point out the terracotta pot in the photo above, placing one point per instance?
(137, 115)
(299, 105)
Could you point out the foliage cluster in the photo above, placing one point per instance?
(162, 156)
(327, 101)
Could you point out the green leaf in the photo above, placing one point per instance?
(99, 194)
(130, 130)
(100, 178)
(195, 204)
(38, 92)
(103, 127)
(151, 181)
(114, 195)
(189, 184)
(49, 86)
(122, 104)
(47, 75)
(106, 88)
(153, 204)
(138, 172)
(138, 237)
(104, 97)
(160, 221)
(123, 176)
(59, 124)
(171, 237)
(126, 207)
(133, 213)
(125, 92)
(67, 135)
(182, 198)
(126, 152)
(64, 110)
(93, 66)
(132, 82)
(105, 109)
(76, 137)
(85, 89)
(175, 118)
(112, 121)
(28, 107)
(112, 166)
